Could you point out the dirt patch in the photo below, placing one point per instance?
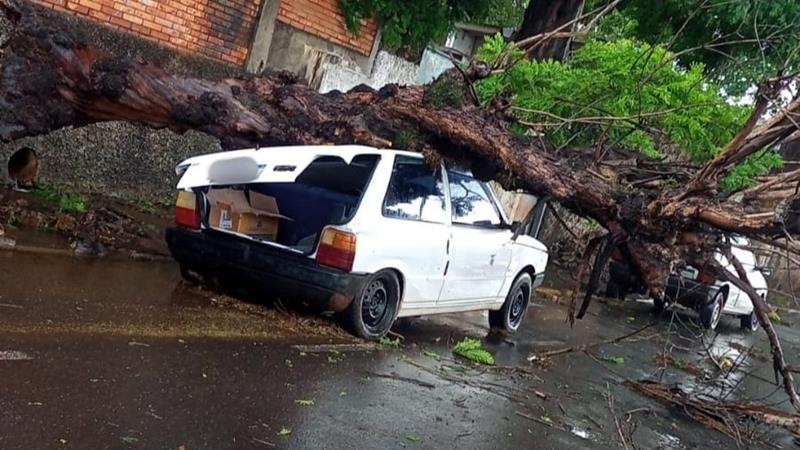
(86, 225)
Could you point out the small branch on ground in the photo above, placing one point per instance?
(584, 347)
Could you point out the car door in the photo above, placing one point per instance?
(480, 243)
(415, 229)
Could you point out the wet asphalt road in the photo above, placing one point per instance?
(110, 354)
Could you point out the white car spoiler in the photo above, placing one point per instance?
(265, 165)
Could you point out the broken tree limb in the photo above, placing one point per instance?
(584, 347)
(760, 309)
(717, 415)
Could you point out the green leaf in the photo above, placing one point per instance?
(285, 431)
(387, 342)
(305, 402)
(413, 438)
(431, 354)
(130, 440)
(473, 350)
(616, 360)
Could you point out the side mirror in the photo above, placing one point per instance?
(766, 271)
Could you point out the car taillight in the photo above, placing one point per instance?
(187, 212)
(706, 277)
(337, 249)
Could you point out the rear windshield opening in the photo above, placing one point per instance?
(327, 192)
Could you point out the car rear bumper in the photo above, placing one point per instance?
(279, 272)
(689, 292)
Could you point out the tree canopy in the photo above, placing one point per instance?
(620, 95)
(737, 41)
(414, 25)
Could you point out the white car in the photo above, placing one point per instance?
(710, 296)
(373, 234)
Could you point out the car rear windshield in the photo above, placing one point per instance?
(327, 192)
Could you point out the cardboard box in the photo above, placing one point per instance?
(230, 211)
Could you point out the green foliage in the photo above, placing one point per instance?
(60, 197)
(743, 175)
(473, 350)
(616, 360)
(621, 93)
(603, 80)
(388, 342)
(737, 41)
(414, 25)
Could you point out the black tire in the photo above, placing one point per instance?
(374, 308)
(612, 289)
(191, 276)
(509, 317)
(711, 312)
(750, 322)
(658, 305)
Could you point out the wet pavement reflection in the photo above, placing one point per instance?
(118, 354)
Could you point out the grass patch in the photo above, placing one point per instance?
(389, 342)
(473, 350)
(60, 197)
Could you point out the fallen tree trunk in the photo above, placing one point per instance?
(52, 78)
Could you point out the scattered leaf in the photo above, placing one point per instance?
(679, 364)
(473, 350)
(129, 440)
(616, 360)
(546, 419)
(342, 394)
(388, 342)
(285, 431)
(431, 354)
(774, 317)
(305, 402)
(413, 438)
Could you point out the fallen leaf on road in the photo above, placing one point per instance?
(413, 437)
(616, 360)
(305, 402)
(431, 354)
(285, 431)
(129, 440)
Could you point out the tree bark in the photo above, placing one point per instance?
(542, 16)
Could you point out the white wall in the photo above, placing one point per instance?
(387, 69)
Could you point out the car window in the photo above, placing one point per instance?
(470, 201)
(415, 192)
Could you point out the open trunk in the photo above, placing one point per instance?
(327, 191)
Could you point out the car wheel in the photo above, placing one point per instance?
(612, 289)
(711, 313)
(510, 316)
(750, 322)
(374, 308)
(658, 305)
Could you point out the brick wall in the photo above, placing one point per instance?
(323, 18)
(218, 29)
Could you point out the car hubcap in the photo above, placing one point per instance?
(715, 316)
(374, 303)
(517, 308)
(753, 321)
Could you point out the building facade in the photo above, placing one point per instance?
(251, 34)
